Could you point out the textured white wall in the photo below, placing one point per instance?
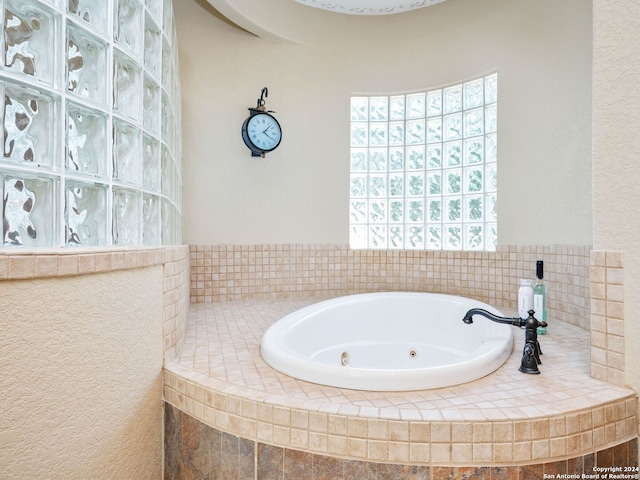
(616, 153)
(299, 193)
(80, 376)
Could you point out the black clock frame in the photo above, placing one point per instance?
(259, 109)
(255, 150)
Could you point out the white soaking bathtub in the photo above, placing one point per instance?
(390, 341)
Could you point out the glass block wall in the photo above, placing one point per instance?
(424, 169)
(92, 122)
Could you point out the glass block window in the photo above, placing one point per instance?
(91, 117)
(423, 169)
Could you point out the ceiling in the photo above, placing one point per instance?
(299, 21)
(369, 7)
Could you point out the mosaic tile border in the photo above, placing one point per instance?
(243, 272)
(414, 442)
(607, 316)
(223, 455)
(26, 264)
(175, 300)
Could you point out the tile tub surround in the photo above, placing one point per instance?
(506, 418)
(607, 316)
(27, 264)
(194, 450)
(246, 272)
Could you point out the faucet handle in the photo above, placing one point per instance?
(538, 323)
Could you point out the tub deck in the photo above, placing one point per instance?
(506, 417)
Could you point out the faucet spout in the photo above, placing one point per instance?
(516, 321)
(531, 352)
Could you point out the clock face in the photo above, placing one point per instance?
(263, 132)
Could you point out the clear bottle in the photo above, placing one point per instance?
(540, 297)
(525, 298)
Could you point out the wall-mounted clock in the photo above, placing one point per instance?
(261, 132)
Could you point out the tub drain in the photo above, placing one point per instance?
(344, 359)
(413, 353)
